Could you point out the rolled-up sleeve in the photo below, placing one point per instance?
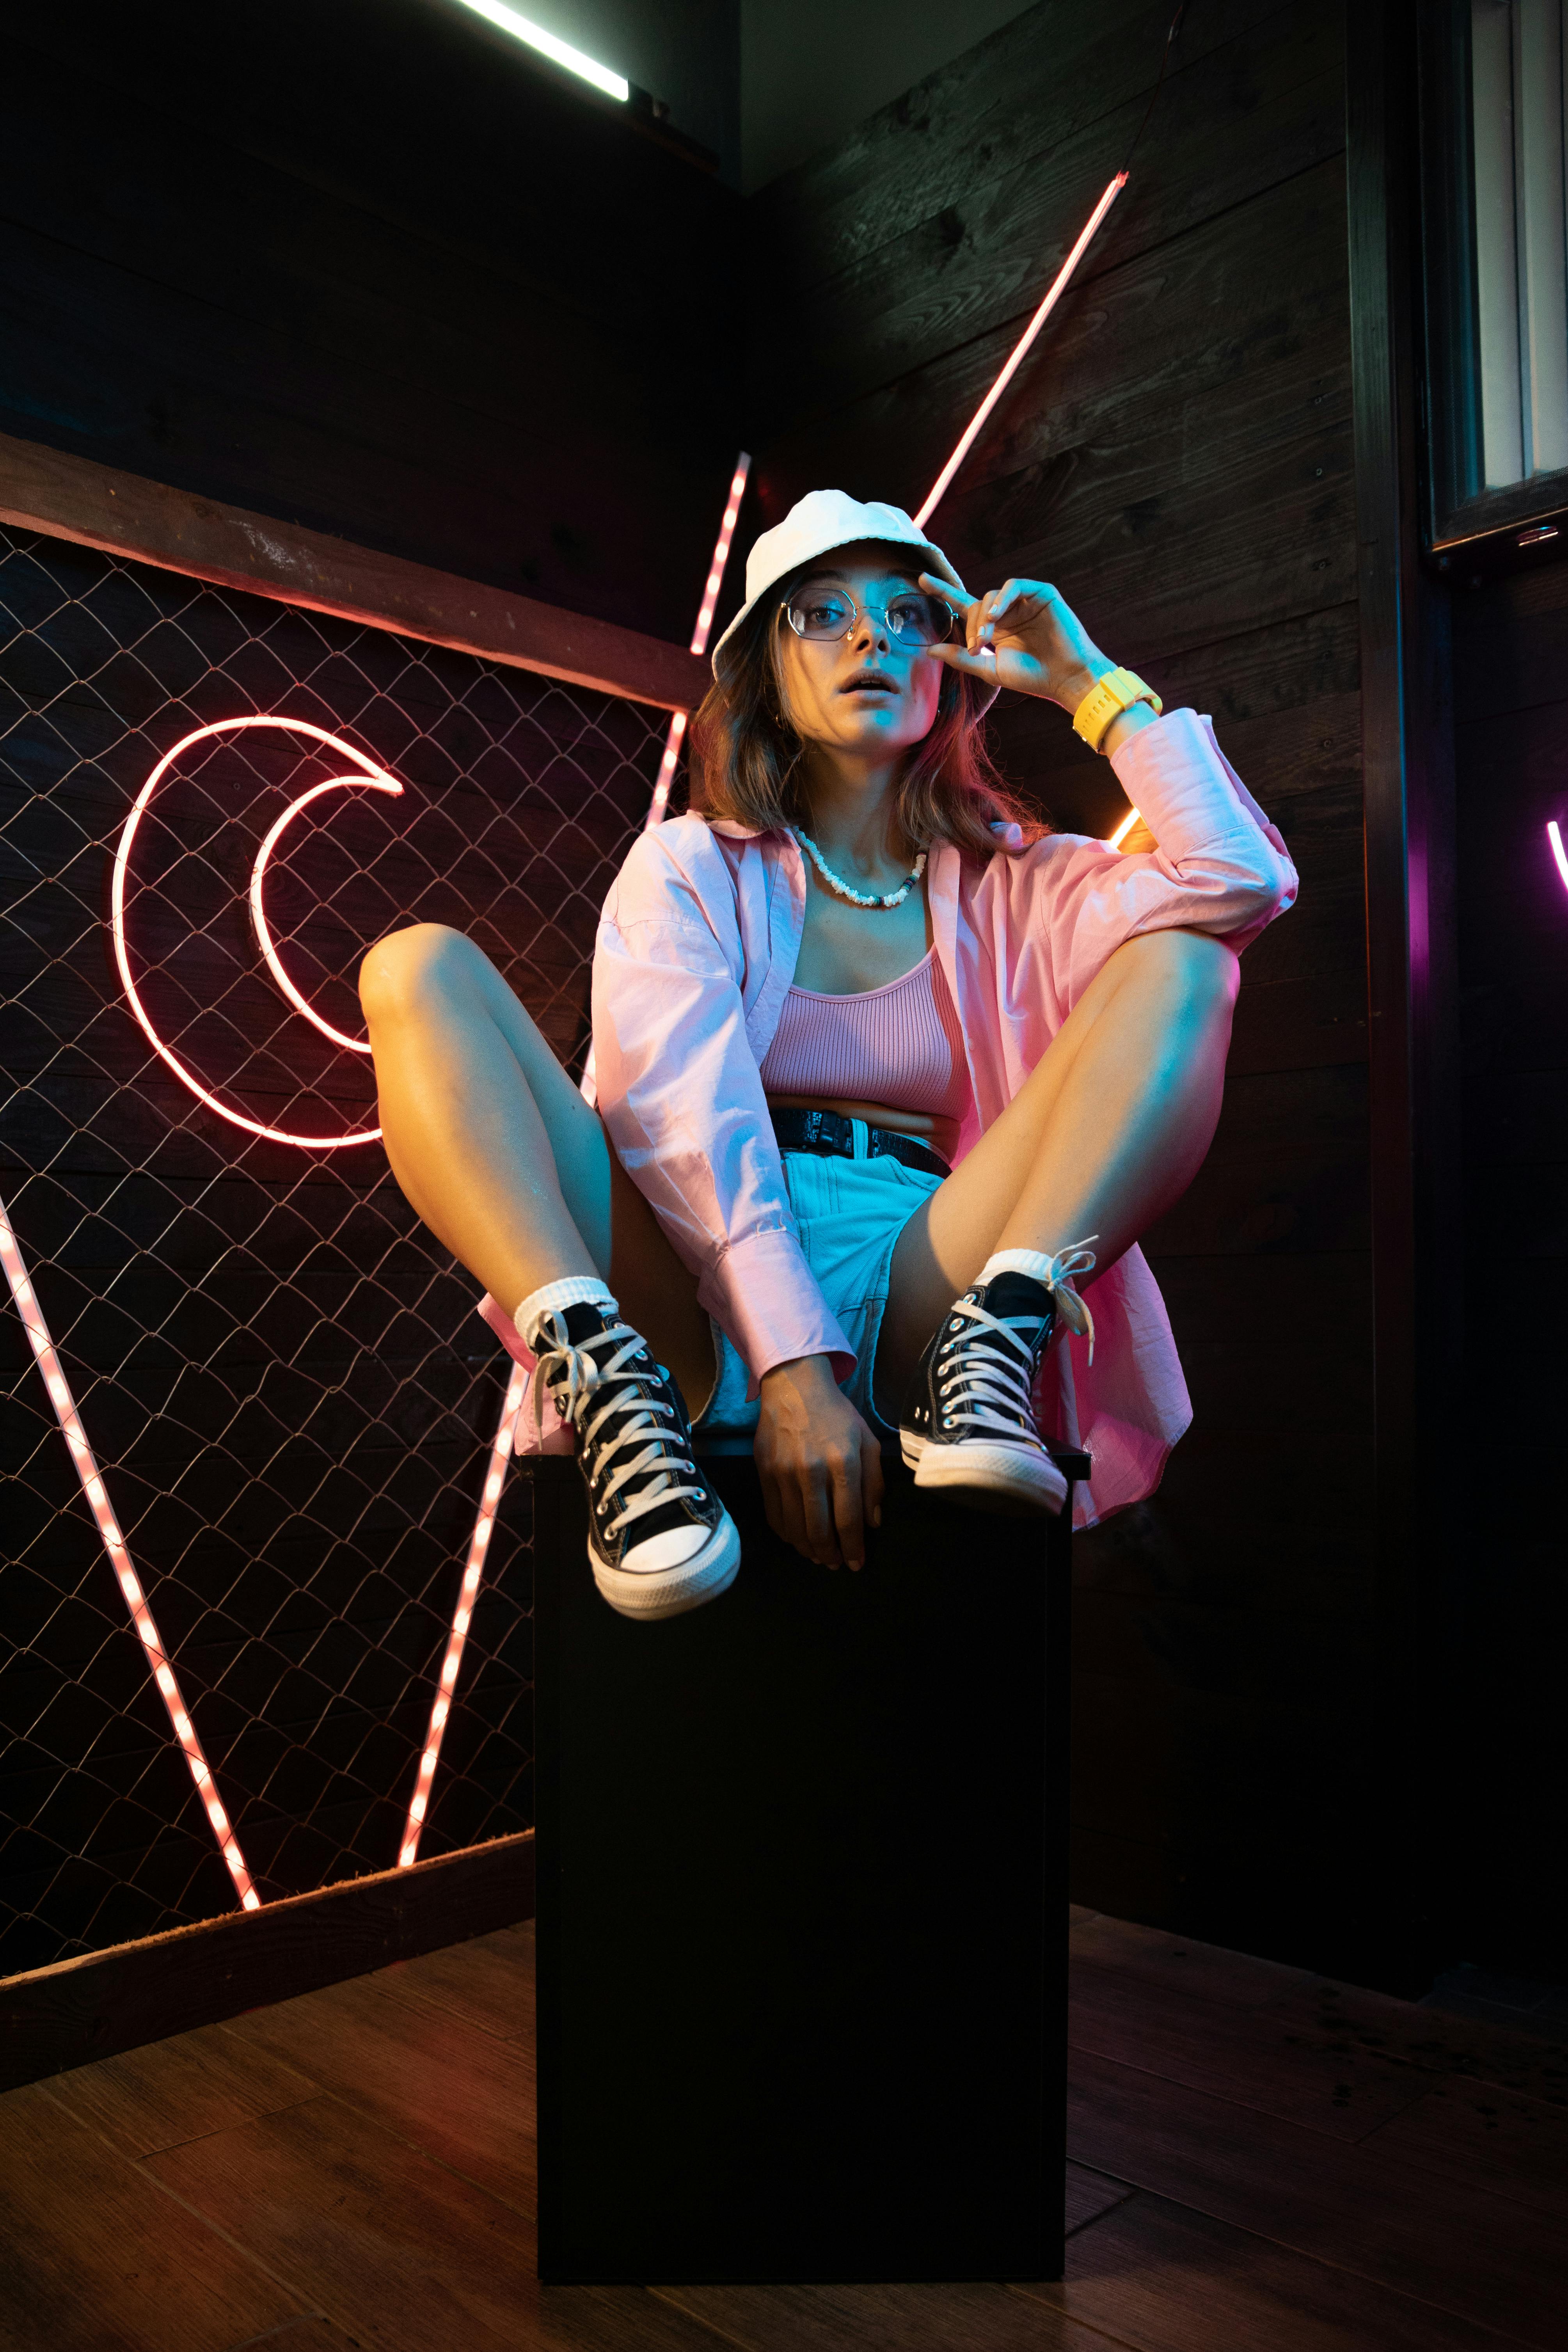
(682, 1100)
(1219, 865)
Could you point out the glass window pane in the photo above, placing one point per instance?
(1538, 175)
(1497, 273)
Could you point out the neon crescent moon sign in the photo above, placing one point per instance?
(368, 776)
(264, 940)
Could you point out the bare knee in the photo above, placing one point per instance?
(406, 972)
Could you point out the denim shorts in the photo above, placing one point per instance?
(850, 1213)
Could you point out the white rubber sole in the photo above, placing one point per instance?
(1012, 1480)
(670, 1591)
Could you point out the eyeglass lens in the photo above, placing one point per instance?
(912, 619)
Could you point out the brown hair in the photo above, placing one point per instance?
(746, 756)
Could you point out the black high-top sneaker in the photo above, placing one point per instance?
(969, 1424)
(659, 1541)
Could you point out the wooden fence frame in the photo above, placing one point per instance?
(77, 2010)
(72, 498)
(80, 2009)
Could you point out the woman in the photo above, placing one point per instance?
(881, 1070)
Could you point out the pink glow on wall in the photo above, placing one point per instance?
(1555, 838)
(98, 1503)
(479, 1546)
(370, 774)
(1020, 348)
(264, 940)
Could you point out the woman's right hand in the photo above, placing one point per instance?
(821, 1468)
(1026, 635)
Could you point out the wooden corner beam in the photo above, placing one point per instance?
(67, 496)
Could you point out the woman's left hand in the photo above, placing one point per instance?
(1024, 634)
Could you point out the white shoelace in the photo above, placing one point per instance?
(989, 1389)
(1072, 1310)
(576, 1378)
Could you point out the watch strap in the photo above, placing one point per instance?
(1117, 691)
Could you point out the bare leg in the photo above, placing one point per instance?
(489, 1141)
(1109, 1130)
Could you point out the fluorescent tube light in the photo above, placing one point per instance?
(560, 53)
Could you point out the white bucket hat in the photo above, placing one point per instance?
(816, 525)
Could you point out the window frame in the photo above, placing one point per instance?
(1491, 529)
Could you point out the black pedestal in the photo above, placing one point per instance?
(802, 1868)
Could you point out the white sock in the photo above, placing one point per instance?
(571, 1290)
(1039, 1264)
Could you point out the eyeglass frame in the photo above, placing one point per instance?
(859, 611)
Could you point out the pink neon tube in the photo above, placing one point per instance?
(98, 1503)
(373, 783)
(479, 1546)
(1053, 295)
(500, 1451)
(678, 719)
(700, 634)
(1555, 838)
(372, 774)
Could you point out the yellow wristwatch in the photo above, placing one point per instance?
(1118, 690)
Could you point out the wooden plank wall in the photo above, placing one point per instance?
(372, 269)
(1509, 1790)
(1177, 458)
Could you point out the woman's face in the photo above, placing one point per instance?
(863, 693)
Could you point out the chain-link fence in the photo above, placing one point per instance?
(280, 1373)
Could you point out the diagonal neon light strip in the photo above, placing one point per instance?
(678, 719)
(1053, 295)
(721, 553)
(117, 918)
(700, 634)
(666, 767)
(1115, 840)
(479, 1546)
(1555, 838)
(98, 1502)
(500, 1452)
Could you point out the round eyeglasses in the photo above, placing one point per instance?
(826, 616)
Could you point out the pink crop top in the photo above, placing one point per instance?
(899, 1046)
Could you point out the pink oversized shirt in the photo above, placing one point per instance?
(696, 952)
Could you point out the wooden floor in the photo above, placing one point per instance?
(1260, 2159)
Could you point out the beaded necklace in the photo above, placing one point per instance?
(886, 899)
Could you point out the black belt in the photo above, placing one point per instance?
(829, 1132)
